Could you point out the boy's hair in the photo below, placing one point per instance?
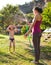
(38, 9)
(10, 28)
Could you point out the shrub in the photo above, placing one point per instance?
(24, 29)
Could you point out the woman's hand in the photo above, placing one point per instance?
(26, 34)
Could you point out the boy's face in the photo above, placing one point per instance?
(11, 28)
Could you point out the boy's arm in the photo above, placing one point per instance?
(7, 29)
(15, 29)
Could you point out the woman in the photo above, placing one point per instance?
(35, 27)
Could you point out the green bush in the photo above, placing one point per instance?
(46, 18)
(24, 29)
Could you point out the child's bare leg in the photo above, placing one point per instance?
(10, 46)
(14, 46)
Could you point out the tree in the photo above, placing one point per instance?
(46, 18)
(8, 14)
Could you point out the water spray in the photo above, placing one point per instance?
(25, 18)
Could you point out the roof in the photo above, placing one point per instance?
(48, 30)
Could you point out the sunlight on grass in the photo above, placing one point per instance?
(23, 55)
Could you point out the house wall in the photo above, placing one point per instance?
(48, 0)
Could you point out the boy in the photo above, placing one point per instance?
(11, 29)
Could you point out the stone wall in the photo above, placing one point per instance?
(39, 3)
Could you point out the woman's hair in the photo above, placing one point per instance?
(38, 9)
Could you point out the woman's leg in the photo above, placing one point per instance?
(38, 56)
(37, 49)
(36, 43)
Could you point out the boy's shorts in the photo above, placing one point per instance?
(12, 39)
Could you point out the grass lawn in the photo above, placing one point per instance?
(24, 52)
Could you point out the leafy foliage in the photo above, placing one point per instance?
(46, 18)
(24, 29)
(7, 16)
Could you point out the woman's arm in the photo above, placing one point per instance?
(31, 26)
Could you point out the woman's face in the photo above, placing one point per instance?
(35, 12)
